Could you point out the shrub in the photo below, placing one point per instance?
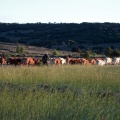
(55, 52)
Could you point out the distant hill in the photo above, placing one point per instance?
(62, 35)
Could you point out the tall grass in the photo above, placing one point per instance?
(60, 93)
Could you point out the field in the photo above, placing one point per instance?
(60, 93)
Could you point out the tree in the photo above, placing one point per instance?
(116, 53)
(76, 49)
(55, 52)
(20, 49)
(108, 52)
(4, 55)
(70, 42)
(87, 54)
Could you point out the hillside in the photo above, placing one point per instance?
(63, 36)
(33, 51)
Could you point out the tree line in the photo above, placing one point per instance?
(48, 34)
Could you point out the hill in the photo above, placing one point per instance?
(31, 51)
(63, 36)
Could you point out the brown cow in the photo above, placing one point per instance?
(37, 61)
(93, 62)
(14, 61)
(85, 61)
(28, 61)
(2, 61)
(73, 61)
(55, 61)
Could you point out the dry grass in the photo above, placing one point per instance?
(10, 48)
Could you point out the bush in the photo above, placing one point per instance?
(20, 49)
(87, 54)
(4, 54)
(55, 52)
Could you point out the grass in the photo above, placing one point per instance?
(60, 93)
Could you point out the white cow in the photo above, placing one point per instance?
(63, 61)
(100, 62)
(108, 60)
(116, 60)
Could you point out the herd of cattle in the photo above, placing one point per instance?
(59, 61)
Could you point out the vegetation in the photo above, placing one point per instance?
(55, 52)
(43, 34)
(5, 55)
(109, 52)
(87, 54)
(60, 93)
(20, 49)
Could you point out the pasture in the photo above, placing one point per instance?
(69, 92)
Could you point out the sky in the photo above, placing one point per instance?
(59, 11)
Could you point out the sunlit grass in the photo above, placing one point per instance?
(60, 93)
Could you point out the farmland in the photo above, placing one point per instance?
(69, 92)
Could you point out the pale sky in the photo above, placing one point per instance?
(65, 11)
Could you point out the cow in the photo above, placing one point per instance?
(93, 62)
(55, 61)
(108, 61)
(63, 61)
(14, 61)
(116, 60)
(2, 61)
(28, 61)
(85, 61)
(100, 62)
(73, 61)
(37, 61)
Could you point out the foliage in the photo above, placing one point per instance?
(93, 54)
(20, 49)
(4, 55)
(108, 52)
(95, 33)
(76, 49)
(116, 53)
(55, 52)
(87, 54)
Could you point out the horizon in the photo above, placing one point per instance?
(60, 23)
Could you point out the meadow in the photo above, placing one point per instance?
(69, 92)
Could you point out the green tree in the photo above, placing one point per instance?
(55, 52)
(4, 54)
(108, 52)
(87, 54)
(116, 53)
(20, 49)
(76, 49)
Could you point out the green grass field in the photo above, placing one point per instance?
(69, 92)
